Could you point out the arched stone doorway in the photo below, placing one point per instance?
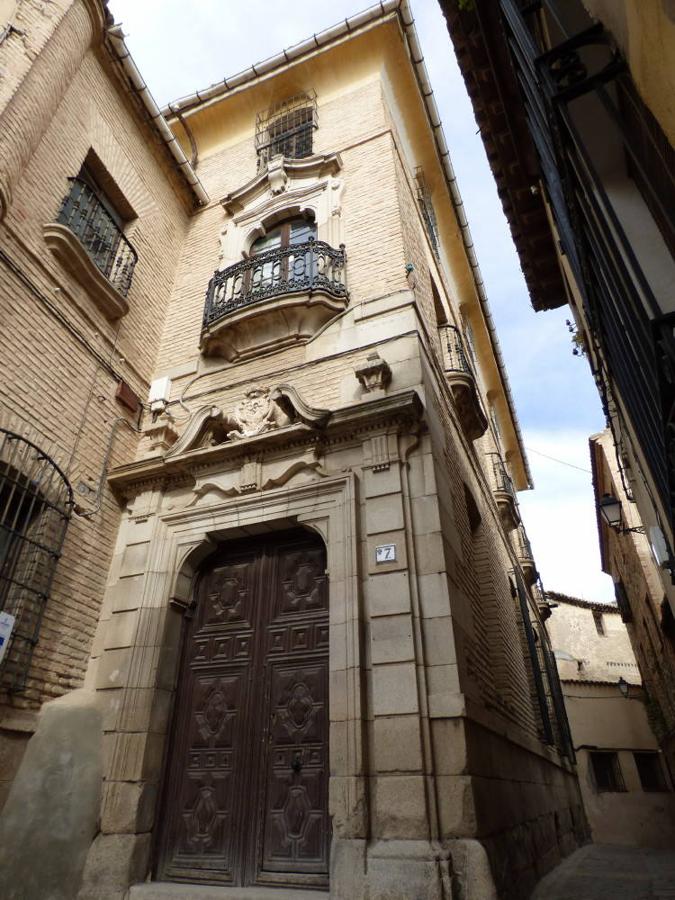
(245, 797)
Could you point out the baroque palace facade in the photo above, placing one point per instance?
(269, 614)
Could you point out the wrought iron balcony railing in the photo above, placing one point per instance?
(462, 380)
(521, 545)
(456, 359)
(501, 480)
(83, 212)
(301, 268)
(504, 491)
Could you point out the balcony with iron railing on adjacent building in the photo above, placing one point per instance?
(90, 243)
(277, 298)
(503, 491)
(523, 550)
(462, 381)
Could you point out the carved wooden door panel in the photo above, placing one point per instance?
(246, 790)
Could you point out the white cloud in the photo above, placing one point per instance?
(559, 516)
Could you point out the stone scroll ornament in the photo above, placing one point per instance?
(261, 410)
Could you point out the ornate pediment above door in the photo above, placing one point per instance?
(260, 411)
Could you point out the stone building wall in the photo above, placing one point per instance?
(594, 651)
(630, 560)
(63, 359)
(439, 770)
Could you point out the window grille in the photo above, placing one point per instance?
(427, 210)
(286, 129)
(650, 771)
(36, 503)
(90, 215)
(537, 676)
(606, 771)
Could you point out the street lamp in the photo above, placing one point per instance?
(610, 510)
(624, 687)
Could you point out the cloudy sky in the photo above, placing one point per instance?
(182, 47)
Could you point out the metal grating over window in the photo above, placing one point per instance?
(427, 209)
(286, 128)
(36, 503)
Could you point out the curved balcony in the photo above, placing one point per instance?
(521, 545)
(504, 492)
(460, 376)
(91, 245)
(272, 300)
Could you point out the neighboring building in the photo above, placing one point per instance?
(626, 782)
(575, 106)
(286, 604)
(629, 558)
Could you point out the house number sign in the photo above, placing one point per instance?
(385, 553)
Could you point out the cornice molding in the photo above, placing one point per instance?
(404, 408)
(316, 167)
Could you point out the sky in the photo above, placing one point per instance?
(182, 47)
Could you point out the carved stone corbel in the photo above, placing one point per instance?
(374, 374)
(276, 175)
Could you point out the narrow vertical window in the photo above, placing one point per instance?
(427, 210)
(599, 623)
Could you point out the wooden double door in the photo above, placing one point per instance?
(245, 797)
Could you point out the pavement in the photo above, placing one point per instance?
(604, 872)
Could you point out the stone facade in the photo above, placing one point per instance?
(595, 660)
(630, 557)
(354, 407)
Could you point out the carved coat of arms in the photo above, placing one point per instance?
(255, 414)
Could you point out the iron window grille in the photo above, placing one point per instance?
(427, 210)
(535, 662)
(287, 129)
(650, 771)
(91, 218)
(36, 503)
(606, 771)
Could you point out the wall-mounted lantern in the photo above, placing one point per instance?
(610, 510)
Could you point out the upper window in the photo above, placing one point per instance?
(606, 771)
(599, 623)
(97, 219)
(287, 234)
(427, 210)
(286, 129)
(650, 771)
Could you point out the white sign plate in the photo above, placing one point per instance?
(385, 553)
(6, 625)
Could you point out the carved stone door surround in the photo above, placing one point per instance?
(182, 539)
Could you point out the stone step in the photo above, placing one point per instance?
(164, 890)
